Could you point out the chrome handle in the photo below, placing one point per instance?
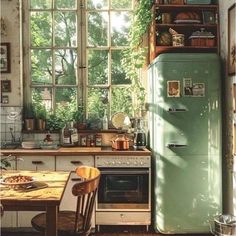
(120, 172)
(173, 145)
(177, 110)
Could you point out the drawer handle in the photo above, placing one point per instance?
(37, 162)
(76, 162)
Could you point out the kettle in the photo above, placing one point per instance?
(139, 136)
(120, 142)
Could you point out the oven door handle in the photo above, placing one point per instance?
(121, 172)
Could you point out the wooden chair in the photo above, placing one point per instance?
(76, 222)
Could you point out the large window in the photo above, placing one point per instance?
(72, 55)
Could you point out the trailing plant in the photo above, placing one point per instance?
(135, 56)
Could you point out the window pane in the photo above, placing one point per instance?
(66, 103)
(121, 101)
(66, 4)
(118, 75)
(41, 66)
(96, 102)
(43, 96)
(98, 67)
(121, 4)
(120, 24)
(97, 28)
(97, 4)
(65, 66)
(41, 29)
(65, 29)
(40, 4)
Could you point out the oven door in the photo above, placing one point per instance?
(124, 188)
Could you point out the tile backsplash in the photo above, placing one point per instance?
(11, 124)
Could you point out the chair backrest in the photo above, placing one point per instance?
(86, 193)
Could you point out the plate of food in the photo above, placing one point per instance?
(17, 180)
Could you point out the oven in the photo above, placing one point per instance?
(124, 194)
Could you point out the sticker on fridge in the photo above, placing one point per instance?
(199, 90)
(173, 88)
(188, 87)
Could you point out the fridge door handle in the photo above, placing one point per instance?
(177, 110)
(174, 145)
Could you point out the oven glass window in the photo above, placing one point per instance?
(123, 188)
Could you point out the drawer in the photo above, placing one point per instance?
(123, 218)
(69, 163)
(36, 163)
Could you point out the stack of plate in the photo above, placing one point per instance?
(29, 145)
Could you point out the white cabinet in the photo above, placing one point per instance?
(36, 163)
(33, 163)
(70, 163)
(9, 218)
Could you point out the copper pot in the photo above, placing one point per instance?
(120, 143)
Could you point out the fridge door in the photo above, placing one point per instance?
(186, 141)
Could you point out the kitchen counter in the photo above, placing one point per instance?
(64, 151)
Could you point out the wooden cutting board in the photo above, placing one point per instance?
(79, 149)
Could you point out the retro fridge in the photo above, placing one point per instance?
(185, 140)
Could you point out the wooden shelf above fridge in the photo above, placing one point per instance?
(205, 21)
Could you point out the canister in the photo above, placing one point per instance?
(178, 40)
(166, 18)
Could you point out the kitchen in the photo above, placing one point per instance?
(13, 102)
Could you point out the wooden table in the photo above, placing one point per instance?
(46, 199)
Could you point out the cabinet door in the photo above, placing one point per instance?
(33, 163)
(70, 163)
(36, 163)
(9, 217)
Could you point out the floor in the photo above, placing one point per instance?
(106, 231)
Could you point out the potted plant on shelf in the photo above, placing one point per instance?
(29, 115)
(41, 116)
(78, 117)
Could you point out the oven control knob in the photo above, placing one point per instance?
(127, 162)
(135, 163)
(113, 163)
(141, 163)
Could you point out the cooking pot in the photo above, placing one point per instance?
(120, 142)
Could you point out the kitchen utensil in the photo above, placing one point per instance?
(119, 120)
(120, 142)
(29, 145)
(139, 135)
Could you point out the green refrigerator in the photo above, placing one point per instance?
(185, 139)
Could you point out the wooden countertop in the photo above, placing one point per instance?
(65, 151)
(53, 193)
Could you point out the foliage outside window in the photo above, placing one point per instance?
(72, 56)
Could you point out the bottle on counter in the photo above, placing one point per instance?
(73, 134)
(65, 135)
(105, 121)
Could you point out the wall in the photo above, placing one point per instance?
(10, 14)
(11, 112)
(229, 196)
